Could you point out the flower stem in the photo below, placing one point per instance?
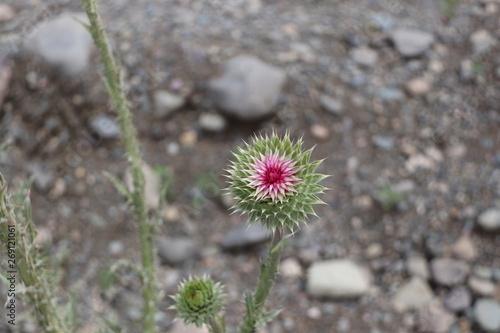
(146, 227)
(268, 274)
(217, 325)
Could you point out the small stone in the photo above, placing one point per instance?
(418, 86)
(63, 43)
(43, 237)
(314, 313)
(6, 13)
(489, 220)
(412, 295)
(242, 236)
(248, 88)
(457, 299)
(320, 132)
(212, 122)
(388, 94)
(411, 43)
(464, 249)
(449, 272)
(483, 272)
(364, 56)
(466, 70)
(5, 75)
(404, 186)
(179, 327)
(417, 266)
(481, 287)
(116, 247)
(170, 213)
(374, 250)
(383, 142)
(487, 314)
(44, 177)
(434, 318)
(105, 127)
(166, 103)
(495, 272)
(337, 278)
(291, 268)
(152, 185)
(482, 41)
(174, 251)
(331, 105)
(188, 138)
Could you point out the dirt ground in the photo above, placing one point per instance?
(444, 142)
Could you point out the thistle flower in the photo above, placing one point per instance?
(198, 301)
(274, 182)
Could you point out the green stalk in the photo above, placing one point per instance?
(269, 270)
(217, 325)
(146, 227)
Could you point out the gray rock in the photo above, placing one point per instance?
(105, 127)
(434, 318)
(417, 266)
(6, 13)
(466, 70)
(383, 142)
(166, 103)
(388, 94)
(116, 247)
(151, 188)
(5, 74)
(412, 295)
(383, 21)
(337, 278)
(482, 41)
(248, 88)
(495, 274)
(174, 251)
(212, 122)
(449, 272)
(489, 220)
(43, 176)
(364, 56)
(483, 272)
(411, 43)
(242, 236)
(457, 299)
(331, 105)
(487, 314)
(63, 43)
(481, 287)
(464, 248)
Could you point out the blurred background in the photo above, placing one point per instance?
(401, 97)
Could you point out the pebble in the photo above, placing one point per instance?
(457, 299)
(411, 43)
(374, 250)
(364, 56)
(314, 313)
(383, 142)
(105, 127)
(418, 86)
(116, 247)
(412, 295)
(291, 268)
(434, 318)
(5, 75)
(43, 236)
(482, 41)
(320, 132)
(248, 88)
(151, 188)
(188, 138)
(166, 103)
(417, 266)
(242, 235)
(43, 176)
(331, 105)
(6, 13)
(212, 122)
(495, 272)
(63, 43)
(464, 248)
(489, 220)
(175, 251)
(388, 94)
(481, 287)
(449, 272)
(483, 272)
(340, 278)
(487, 314)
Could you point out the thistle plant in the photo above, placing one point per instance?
(274, 182)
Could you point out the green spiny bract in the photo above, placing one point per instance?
(273, 181)
(198, 300)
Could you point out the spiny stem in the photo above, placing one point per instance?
(266, 281)
(146, 227)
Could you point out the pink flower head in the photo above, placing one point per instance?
(273, 177)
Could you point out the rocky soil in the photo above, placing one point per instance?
(401, 98)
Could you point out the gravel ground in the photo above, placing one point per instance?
(400, 97)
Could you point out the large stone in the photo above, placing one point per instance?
(464, 248)
(174, 251)
(105, 127)
(337, 278)
(166, 103)
(489, 220)
(487, 314)
(449, 272)
(417, 266)
(411, 43)
(434, 318)
(482, 41)
(412, 295)
(63, 43)
(457, 299)
(248, 88)
(242, 236)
